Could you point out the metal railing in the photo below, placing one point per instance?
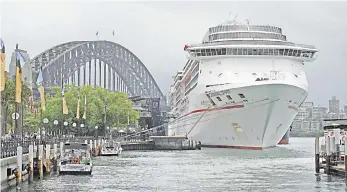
(9, 147)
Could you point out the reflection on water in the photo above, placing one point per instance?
(284, 168)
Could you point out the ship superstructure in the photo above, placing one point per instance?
(241, 87)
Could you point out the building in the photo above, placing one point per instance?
(334, 105)
(345, 108)
(319, 113)
(26, 70)
(150, 112)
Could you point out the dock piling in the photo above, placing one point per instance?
(55, 161)
(19, 165)
(39, 162)
(61, 150)
(317, 155)
(48, 159)
(337, 143)
(31, 163)
(328, 149)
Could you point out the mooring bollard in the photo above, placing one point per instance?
(317, 154)
(48, 159)
(31, 163)
(19, 165)
(55, 161)
(39, 162)
(327, 160)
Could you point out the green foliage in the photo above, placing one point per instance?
(7, 102)
(118, 107)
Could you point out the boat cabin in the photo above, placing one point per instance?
(76, 153)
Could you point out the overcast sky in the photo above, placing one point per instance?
(157, 31)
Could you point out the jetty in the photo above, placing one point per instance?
(331, 151)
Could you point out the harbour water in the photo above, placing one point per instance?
(287, 168)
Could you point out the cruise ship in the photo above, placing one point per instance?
(240, 88)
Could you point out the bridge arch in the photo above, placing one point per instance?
(63, 62)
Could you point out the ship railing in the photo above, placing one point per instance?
(253, 42)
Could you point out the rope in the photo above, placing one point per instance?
(125, 136)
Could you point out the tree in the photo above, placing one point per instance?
(118, 107)
(7, 102)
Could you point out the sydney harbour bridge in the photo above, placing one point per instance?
(96, 63)
(101, 63)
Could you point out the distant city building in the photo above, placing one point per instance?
(309, 118)
(26, 70)
(334, 105)
(345, 108)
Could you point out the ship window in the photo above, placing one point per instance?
(276, 52)
(295, 52)
(213, 52)
(241, 95)
(219, 51)
(228, 96)
(281, 51)
(219, 99)
(290, 52)
(286, 52)
(224, 51)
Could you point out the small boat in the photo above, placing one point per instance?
(111, 149)
(76, 159)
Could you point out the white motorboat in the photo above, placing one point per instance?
(111, 149)
(76, 159)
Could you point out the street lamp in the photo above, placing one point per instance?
(96, 131)
(108, 132)
(82, 130)
(55, 122)
(65, 124)
(74, 125)
(45, 121)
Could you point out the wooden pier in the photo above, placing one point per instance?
(331, 155)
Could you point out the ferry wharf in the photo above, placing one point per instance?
(331, 154)
(23, 160)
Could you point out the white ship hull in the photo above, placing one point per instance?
(240, 88)
(262, 121)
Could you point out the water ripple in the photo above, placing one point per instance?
(286, 168)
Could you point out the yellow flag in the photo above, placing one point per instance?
(78, 109)
(65, 109)
(2, 65)
(18, 98)
(20, 61)
(85, 107)
(42, 96)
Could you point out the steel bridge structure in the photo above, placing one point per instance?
(96, 63)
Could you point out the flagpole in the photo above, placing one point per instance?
(15, 103)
